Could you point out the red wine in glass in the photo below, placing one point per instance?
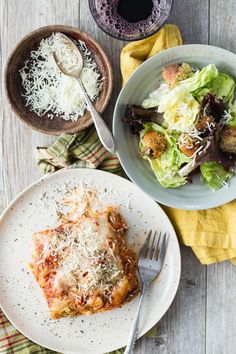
(130, 19)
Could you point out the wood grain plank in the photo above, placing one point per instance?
(221, 278)
(111, 46)
(191, 16)
(18, 141)
(192, 287)
(222, 15)
(182, 329)
(221, 308)
(2, 192)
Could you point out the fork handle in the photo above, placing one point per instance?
(134, 329)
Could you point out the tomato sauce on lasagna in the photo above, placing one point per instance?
(84, 266)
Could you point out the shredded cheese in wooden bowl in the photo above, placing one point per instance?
(44, 98)
(48, 90)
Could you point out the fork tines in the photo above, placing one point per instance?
(154, 246)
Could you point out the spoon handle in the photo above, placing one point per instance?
(103, 131)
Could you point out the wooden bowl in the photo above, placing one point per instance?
(14, 88)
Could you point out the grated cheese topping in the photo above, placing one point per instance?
(85, 254)
(50, 92)
(226, 118)
(194, 133)
(184, 171)
(76, 202)
(186, 140)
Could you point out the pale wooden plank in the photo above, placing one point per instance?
(182, 330)
(111, 46)
(2, 171)
(184, 324)
(2, 193)
(19, 141)
(191, 16)
(221, 307)
(221, 278)
(223, 24)
(177, 331)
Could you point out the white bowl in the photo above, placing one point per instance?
(144, 80)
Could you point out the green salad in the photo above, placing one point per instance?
(188, 126)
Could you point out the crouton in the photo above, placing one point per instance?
(154, 144)
(228, 140)
(176, 72)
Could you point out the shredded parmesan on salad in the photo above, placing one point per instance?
(226, 118)
(48, 90)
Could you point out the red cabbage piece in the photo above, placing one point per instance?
(137, 116)
(210, 152)
(212, 106)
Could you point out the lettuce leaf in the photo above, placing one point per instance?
(232, 123)
(209, 80)
(200, 78)
(153, 100)
(229, 117)
(232, 110)
(179, 108)
(222, 86)
(214, 174)
(166, 167)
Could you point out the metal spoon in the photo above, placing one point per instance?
(74, 69)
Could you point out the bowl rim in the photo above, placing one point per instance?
(58, 28)
(132, 176)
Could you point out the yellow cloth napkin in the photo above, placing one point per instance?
(211, 233)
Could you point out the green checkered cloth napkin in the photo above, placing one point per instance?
(82, 150)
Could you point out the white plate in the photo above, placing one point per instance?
(20, 296)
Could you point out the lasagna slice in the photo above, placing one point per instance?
(84, 266)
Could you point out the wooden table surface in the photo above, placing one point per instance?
(202, 318)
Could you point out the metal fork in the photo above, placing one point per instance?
(150, 263)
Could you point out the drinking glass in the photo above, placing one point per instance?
(124, 19)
